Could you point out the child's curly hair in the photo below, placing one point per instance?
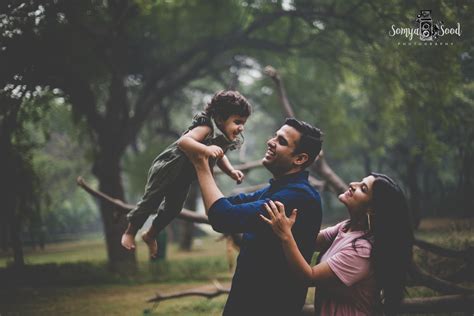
(226, 103)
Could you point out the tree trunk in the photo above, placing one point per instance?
(188, 227)
(467, 199)
(367, 162)
(17, 247)
(107, 170)
(414, 189)
(3, 234)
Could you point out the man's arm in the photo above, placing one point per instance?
(238, 218)
(225, 216)
(210, 192)
(246, 197)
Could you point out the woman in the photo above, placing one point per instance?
(364, 260)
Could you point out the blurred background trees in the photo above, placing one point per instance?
(101, 87)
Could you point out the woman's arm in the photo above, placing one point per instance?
(322, 243)
(191, 143)
(281, 225)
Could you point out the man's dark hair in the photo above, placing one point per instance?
(310, 140)
(226, 103)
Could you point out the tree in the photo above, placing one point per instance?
(19, 184)
(115, 61)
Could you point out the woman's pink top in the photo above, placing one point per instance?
(356, 294)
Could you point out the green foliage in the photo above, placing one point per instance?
(60, 159)
(132, 74)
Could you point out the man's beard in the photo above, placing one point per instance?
(275, 167)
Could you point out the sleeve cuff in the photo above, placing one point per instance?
(215, 210)
(218, 204)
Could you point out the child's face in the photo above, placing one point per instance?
(233, 126)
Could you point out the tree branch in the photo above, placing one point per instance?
(420, 276)
(425, 305)
(218, 290)
(273, 74)
(466, 254)
(426, 279)
(123, 207)
(321, 167)
(245, 166)
(437, 304)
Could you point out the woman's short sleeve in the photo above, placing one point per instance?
(330, 233)
(351, 265)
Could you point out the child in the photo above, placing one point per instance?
(212, 133)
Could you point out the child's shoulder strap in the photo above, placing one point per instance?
(200, 119)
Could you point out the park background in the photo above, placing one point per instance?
(98, 88)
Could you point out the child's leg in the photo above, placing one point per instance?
(128, 237)
(173, 205)
(150, 201)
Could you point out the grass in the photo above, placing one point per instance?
(107, 300)
(71, 278)
(452, 234)
(92, 248)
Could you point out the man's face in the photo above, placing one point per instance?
(279, 156)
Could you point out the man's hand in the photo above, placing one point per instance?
(237, 175)
(214, 151)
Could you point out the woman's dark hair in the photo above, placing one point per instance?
(391, 236)
(392, 241)
(226, 103)
(310, 140)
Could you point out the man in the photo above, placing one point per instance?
(263, 283)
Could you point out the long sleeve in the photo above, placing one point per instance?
(246, 198)
(237, 218)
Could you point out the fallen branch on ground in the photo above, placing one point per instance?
(436, 304)
(423, 305)
(466, 254)
(424, 278)
(218, 290)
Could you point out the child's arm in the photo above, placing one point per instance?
(191, 144)
(225, 165)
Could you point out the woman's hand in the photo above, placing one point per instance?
(280, 223)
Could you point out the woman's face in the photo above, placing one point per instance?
(358, 197)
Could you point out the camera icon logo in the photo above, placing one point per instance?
(428, 30)
(426, 25)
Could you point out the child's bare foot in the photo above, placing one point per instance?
(151, 243)
(128, 241)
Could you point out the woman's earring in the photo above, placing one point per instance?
(368, 221)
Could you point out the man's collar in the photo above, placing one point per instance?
(289, 178)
